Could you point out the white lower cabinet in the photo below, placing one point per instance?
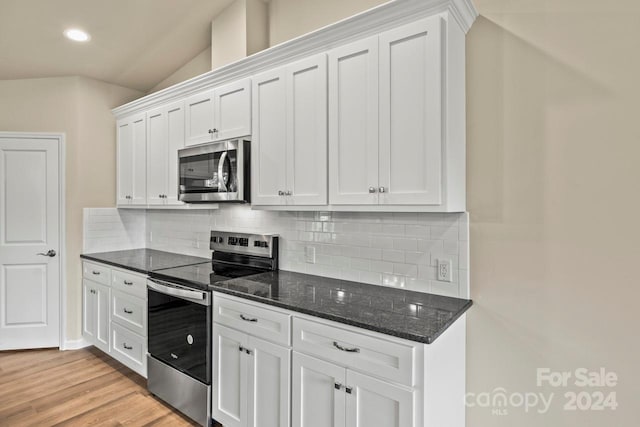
(114, 316)
(95, 314)
(251, 380)
(325, 394)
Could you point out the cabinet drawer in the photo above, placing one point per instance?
(129, 348)
(129, 311)
(369, 354)
(96, 272)
(130, 283)
(261, 322)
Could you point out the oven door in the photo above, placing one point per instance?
(213, 172)
(179, 332)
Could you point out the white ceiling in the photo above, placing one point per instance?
(134, 43)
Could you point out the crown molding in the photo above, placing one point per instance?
(368, 23)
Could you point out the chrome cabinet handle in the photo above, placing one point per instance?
(382, 190)
(214, 130)
(348, 389)
(127, 283)
(372, 189)
(248, 319)
(50, 253)
(349, 350)
(280, 193)
(338, 386)
(288, 193)
(126, 347)
(128, 311)
(96, 273)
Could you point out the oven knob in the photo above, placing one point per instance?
(189, 339)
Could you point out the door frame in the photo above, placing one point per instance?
(60, 138)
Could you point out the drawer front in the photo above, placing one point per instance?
(369, 354)
(261, 322)
(129, 311)
(96, 273)
(134, 284)
(129, 348)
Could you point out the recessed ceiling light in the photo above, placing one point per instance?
(77, 35)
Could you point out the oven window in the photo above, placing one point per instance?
(178, 334)
(210, 173)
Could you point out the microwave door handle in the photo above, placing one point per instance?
(222, 187)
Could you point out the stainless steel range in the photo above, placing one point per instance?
(179, 318)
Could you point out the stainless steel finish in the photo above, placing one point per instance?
(187, 395)
(382, 189)
(50, 253)
(221, 185)
(248, 319)
(199, 297)
(349, 350)
(243, 148)
(222, 238)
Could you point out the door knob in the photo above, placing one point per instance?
(372, 189)
(50, 253)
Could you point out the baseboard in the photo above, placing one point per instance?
(75, 344)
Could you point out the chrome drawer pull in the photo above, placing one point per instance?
(348, 389)
(128, 283)
(126, 347)
(97, 273)
(338, 386)
(349, 350)
(128, 311)
(243, 317)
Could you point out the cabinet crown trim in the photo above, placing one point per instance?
(370, 22)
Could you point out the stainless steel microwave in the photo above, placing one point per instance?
(215, 172)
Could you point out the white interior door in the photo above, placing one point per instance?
(29, 228)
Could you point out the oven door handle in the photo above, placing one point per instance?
(167, 289)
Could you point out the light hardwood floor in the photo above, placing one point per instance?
(76, 388)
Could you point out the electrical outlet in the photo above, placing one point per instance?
(310, 254)
(444, 270)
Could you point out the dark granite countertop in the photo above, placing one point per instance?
(144, 260)
(415, 316)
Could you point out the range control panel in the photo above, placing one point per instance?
(243, 243)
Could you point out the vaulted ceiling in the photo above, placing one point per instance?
(134, 43)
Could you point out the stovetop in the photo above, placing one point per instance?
(202, 276)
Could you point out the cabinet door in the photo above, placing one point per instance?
(411, 114)
(232, 110)
(157, 152)
(101, 312)
(269, 391)
(353, 123)
(139, 146)
(268, 145)
(229, 388)
(165, 129)
(307, 131)
(373, 402)
(125, 162)
(318, 396)
(199, 118)
(88, 312)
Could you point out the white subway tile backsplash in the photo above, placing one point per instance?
(390, 249)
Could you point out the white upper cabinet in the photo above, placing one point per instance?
(269, 139)
(353, 123)
(132, 174)
(199, 122)
(165, 130)
(232, 110)
(289, 159)
(396, 119)
(411, 114)
(218, 114)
